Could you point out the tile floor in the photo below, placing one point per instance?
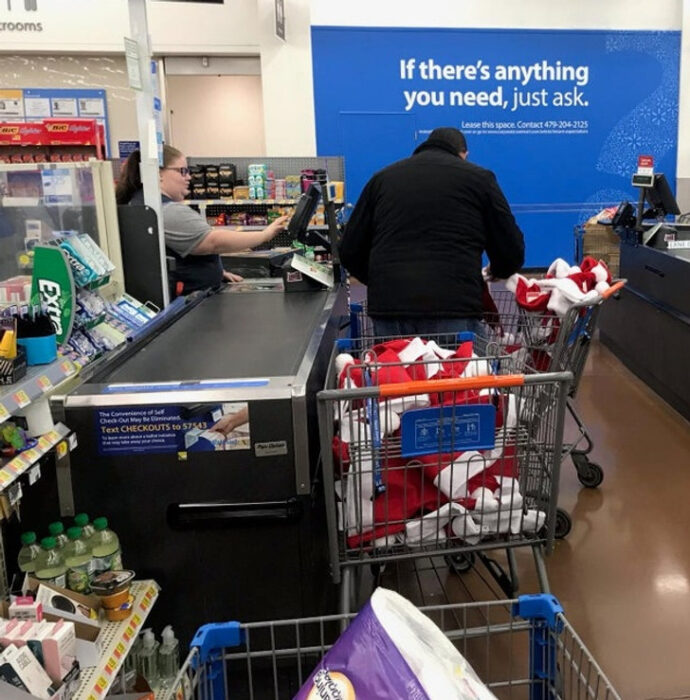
(623, 573)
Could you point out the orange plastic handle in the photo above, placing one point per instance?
(432, 386)
(615, 287)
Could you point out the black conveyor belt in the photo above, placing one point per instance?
(230, 336)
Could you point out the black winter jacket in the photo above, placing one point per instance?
(417, 234)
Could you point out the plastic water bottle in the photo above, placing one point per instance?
(57, 530)
(28, 553)
(78, 561)
(50, 564)
(148, 657)
(82, 520)
(105, 548)
(168, 657)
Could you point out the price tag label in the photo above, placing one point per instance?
(22, 398)
(128, 633)
(52, 436)
(34, 475)
(4, 477)
(44, 443)
(68, 368)
(44, 384)
(111, 666)
(101, 685)
(136, 621)
(16, 465)
(120, 649)
(31, 455)
(4, 413)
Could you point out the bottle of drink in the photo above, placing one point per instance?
(50, 564)
(28, 553)
(105, 548)
(57, 530)
(148, 657)
(82, 520)
(78, 561)
(168, 657)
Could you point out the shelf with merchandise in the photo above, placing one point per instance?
(38, 381)
(116, 640)
(25, 461)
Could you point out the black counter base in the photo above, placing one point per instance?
(652, 343)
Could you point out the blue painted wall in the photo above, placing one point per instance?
(562, 132)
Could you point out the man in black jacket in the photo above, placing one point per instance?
(417, 234)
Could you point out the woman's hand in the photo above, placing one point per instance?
(231, 277)
(274, 228)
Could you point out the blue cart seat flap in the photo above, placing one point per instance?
(540, 606)
(211, 639)
(466, 337)
(448, 429)
(357, 307)
(344, 344)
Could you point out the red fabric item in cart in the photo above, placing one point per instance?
(341, 454)
(408, 494)
(530, 297)
(394, 374)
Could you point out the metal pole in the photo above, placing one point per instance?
(146, 125)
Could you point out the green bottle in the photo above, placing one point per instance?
(105, 548)
(50, 564)
(78, 561)
(82, 520)
(57, 530)
(28, 553)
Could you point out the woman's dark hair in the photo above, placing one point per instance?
(130, 176)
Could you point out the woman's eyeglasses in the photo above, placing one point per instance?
(182, 171)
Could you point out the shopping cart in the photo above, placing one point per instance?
(410, 469)
(522, 648)
(536, 342)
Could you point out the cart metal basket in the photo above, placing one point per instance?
(533, 342)
(521, 649)
(410, 469)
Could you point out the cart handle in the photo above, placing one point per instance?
(615, 287)
(433, 386)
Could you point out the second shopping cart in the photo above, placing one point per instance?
(534, 341)
(444, 455)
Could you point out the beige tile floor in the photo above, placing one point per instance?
(623, 573)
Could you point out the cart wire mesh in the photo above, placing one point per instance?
(449, 466)
(523, 648)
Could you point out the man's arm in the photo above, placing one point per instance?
(356, 242)
(505, 244)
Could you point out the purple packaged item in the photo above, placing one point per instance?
(366, 663)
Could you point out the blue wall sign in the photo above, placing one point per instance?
(560, 116)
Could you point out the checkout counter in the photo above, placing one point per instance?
(231, 526)
(649, 329)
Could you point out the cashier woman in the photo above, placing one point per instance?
(189, 239)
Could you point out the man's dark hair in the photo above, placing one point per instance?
(446, 137)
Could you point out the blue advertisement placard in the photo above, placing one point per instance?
(448, 429)
(83, 103)
(126, 148)
(133, 430)
(559, 115)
